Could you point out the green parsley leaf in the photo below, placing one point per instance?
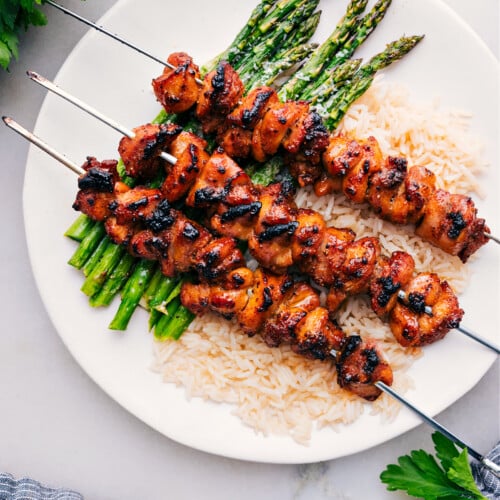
(421, 476)
(8, 13)
(446, 450)
(16, 15)
(460, 473)
(5, 55)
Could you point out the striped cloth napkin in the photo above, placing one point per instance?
(488, 483)
(28, 489)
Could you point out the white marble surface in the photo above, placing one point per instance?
(57, 426)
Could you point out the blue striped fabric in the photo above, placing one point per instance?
(488, 483)
(27, 489)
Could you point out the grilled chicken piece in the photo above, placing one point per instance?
(235, 141)
(266, 294)
(271, 240)
(222, 89)
(96, 188)
(329, 256)
(225, 299)
(308, 237)
(190, 151)
(141, 154)
(409, 322)
(295, 305)
(398, 194)
(176, 89)
(221, 180)
(390, 275)
(215, 259)
(120, 234)
(355, 272)
(316, 335)
(360, 364)
(450, 223)
(135, 205)
(286, 312)
(355, 162)
(253, 107)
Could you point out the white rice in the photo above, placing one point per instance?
(279, 392)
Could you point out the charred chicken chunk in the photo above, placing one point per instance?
(450, 222)
(409, 322)
(390, 275)
(177, 89)
(191, 155)
(222, 89)
(360, 364)
(141, 154)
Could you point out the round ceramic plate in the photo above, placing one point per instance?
(450, 63)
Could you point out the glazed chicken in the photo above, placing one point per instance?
(280, 235)
(177, 90)
(258, 125)
(286, 312)
(143, 220)
(277, 307)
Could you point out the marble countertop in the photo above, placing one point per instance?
(58, 427)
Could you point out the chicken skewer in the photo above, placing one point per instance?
(260, 125)
(407, 318)
(277, 307)
(351, 354)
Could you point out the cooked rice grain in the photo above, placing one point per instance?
(276, 391)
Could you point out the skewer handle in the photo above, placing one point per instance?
(443, 430)
(481, 340)
(42, 145)
(78, 103)
(491, 237)
(108, 33)
(112, 35)
(44, 82)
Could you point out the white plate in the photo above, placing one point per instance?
(451, 63)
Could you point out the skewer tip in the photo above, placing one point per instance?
(7, 120)
(33, 75)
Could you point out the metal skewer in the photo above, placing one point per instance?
(428, 310)
(491, 237)
(443, 430)
(89, 109)
(42, 145)
(164, 63)
(113, 36)
(171, 159)
(383, 387)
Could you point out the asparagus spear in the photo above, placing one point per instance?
(344, 52)
(364, 77)
(87, 245)
(162, 325)
(159, 300)
(114, 283)
(265, 48)
(315, 64)
(178, 323)
(132, 293)
(335, 80)
(80, 227)
(240, 42)
(96, 256)
(102, 270)
(273, 70)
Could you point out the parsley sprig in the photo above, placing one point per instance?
(421, 476)
(16, 15)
